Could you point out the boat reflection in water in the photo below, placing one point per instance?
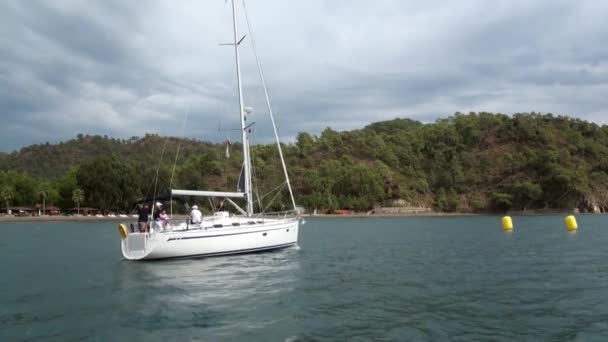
(217, 294)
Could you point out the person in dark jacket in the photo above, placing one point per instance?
(220, 206)
(142, 218)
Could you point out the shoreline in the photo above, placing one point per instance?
(59, 218)
(364, 215)
(462, 214)
(25, 219)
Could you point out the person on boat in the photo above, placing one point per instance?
(196, 216)
(142, 219)
(220, 206)
(157, 209)
(163, 218)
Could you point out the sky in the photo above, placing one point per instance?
(127, 68)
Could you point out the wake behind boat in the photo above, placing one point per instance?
(222, 233)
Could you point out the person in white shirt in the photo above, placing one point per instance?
(195, 215)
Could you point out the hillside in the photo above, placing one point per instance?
(54, 160)
(467, 162)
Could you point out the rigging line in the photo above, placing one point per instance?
(258, 199)
(254, 174)
(211, 204)
(279, 187)
(257, 187)
(156, 177)
(272, 200)
(278, 190)
(149, 188)
(274, 127)
(179, 144)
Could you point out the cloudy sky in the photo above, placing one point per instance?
(124, 68)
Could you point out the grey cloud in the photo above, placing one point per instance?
(127, 68)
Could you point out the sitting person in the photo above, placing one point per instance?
(220, 206)
(196, 216)
(163, 218)
(157, 209)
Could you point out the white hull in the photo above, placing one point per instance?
(251, 235)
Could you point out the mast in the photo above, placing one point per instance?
(244, 136)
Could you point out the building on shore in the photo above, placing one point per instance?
(84, 211)
(19, 211)
(47, 210)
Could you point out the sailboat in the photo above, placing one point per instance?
(222, 233)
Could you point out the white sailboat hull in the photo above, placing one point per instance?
(249, 236)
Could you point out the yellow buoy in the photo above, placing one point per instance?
(507, 223)
(122, 229)
(571, 223)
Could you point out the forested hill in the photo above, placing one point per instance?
(467, 162)
(53, 160)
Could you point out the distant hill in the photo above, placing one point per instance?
(466, 162)
(53, 160)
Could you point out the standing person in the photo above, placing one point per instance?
(157, 209)
(142, 219)
(196, 216)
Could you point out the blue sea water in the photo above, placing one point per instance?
(386, 279)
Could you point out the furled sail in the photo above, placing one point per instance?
(240, 186)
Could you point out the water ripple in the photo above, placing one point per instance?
(434, 279)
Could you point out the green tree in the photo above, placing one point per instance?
(441, 201)
(64, 187)
(452, 200)
(43, 192)
(7, 194)
(524, 193)
(500, 201)
(494, 161)
(313, 202)
(78, 197)
(109, 182)
(305, 143)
